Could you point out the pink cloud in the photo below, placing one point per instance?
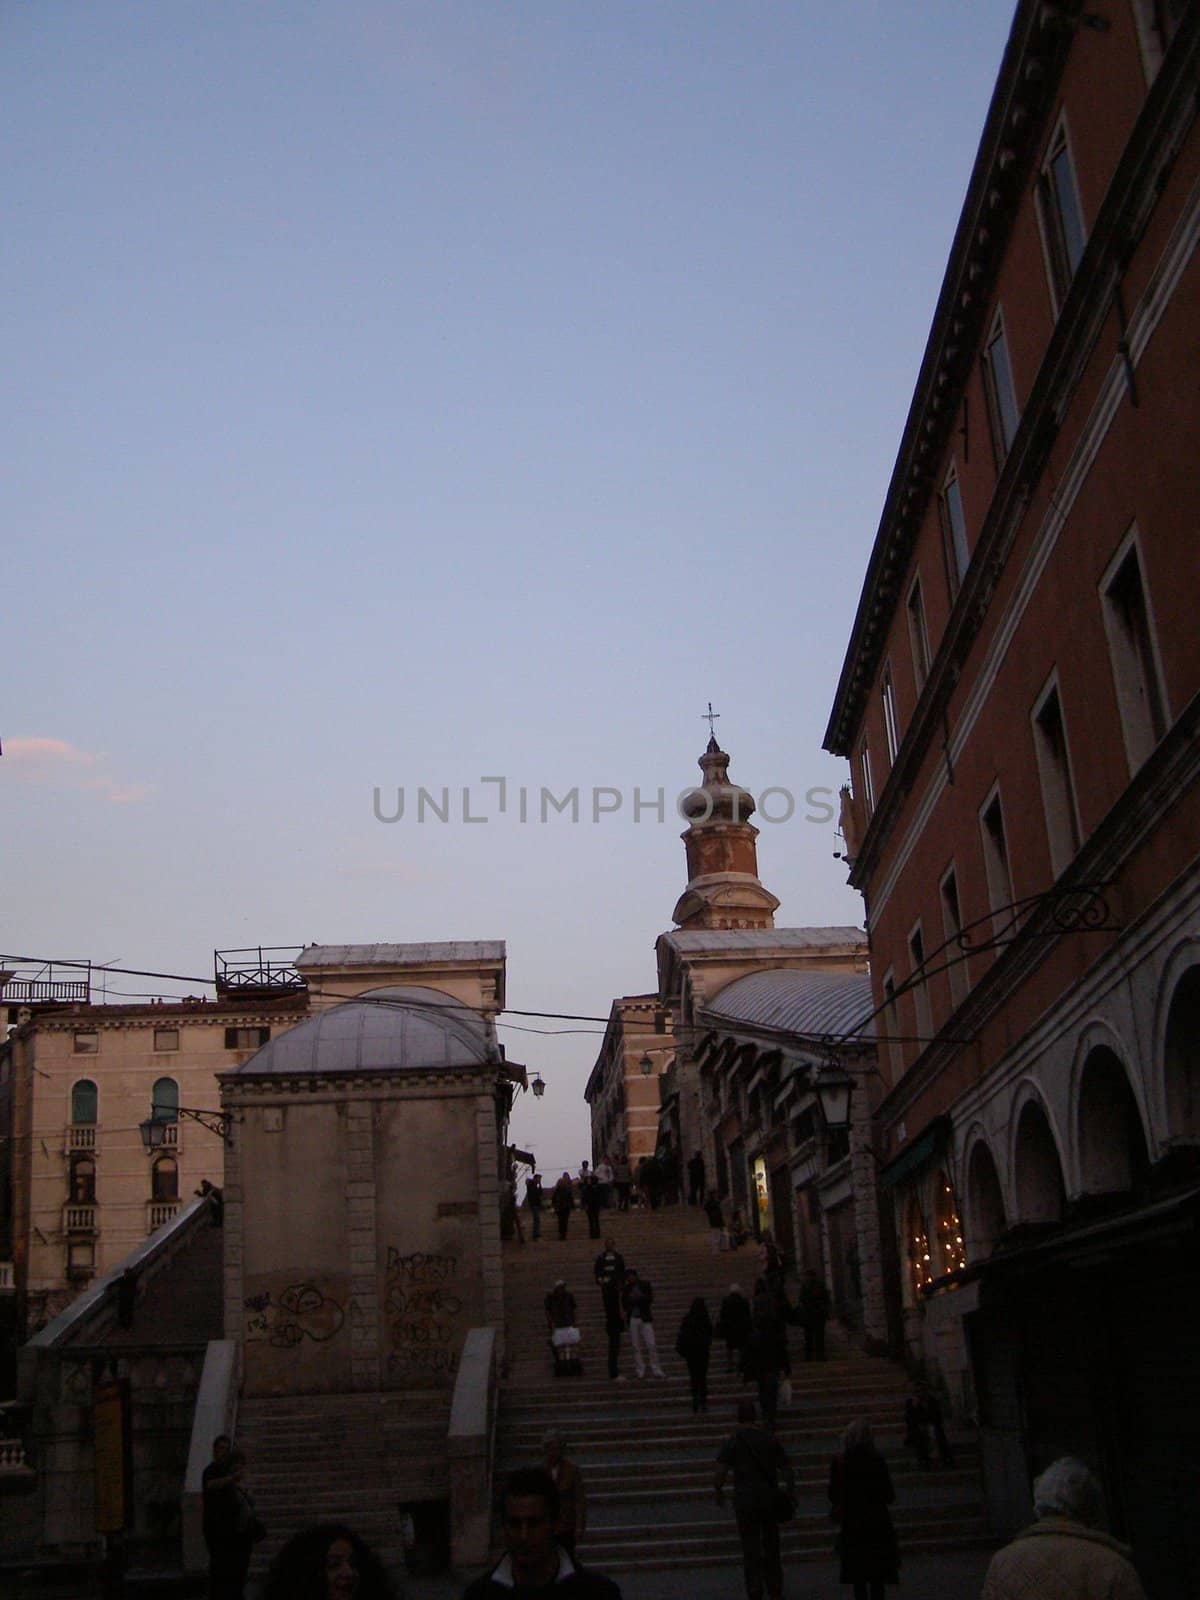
(57, 764)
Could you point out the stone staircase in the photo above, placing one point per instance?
(648, 1460)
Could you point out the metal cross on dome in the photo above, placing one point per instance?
(711, 716)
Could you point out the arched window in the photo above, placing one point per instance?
(985, 1203)
(85, 1102)
(1112, 1146)
(164, 1101)
(83, 1181)
(917, 1251)
(949, 1251)
(1041, 1195)
(164, 1179)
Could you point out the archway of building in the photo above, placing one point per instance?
(1112, 1144)
(1181, 1057)
(1040, 1191)
(986, 1221)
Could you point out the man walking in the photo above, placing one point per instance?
(639, 1301)
(533, 1199)
(695, 1171)
(563, 1202)
(610, 1275)
(815, 1305)
(758, 1462)
(536, 1567)
(589, 1198)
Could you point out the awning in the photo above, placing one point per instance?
(926, 1147)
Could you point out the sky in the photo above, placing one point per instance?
(403, 395)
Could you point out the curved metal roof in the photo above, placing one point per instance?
(410, 1028)
(814, 1004)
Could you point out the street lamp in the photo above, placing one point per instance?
(833, 1087)
(538, 1086)
(646, 1065)
(154, 1129)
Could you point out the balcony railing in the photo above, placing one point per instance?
(160, 1211)
(81, 1136)
(79, 1219)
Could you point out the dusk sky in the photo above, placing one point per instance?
(402, 394)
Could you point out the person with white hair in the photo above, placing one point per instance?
(1065, 1554)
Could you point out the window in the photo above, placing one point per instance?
(87, 1041)
(891, 1025)
(1001, 394)
(920, 991)
(1156, 21)
(954, 530)
(888, 692)
(246, 1038)
(81, 1259)
(996, 863)
(956, 969)
(164, 1179)
(164, 1100)
(864, 762)
(918, 633)
(85, 1103)
(82, 1191)
(1060, 215)
(166, 1038)
(1054, 769)
(1131, 645)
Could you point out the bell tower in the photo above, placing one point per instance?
(723, 889)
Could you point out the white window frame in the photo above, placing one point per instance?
(918, 987)
(1002, 434)
(1052, 201)
(955, 955)
(918, 631)
(891, 1023)
(891, 722)
(864, 765)
(1063, 833)
(1000, 893)
(1156, 27)
(1140, 685)
(954, 528)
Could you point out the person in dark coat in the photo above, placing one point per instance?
(760, 1468)
(716, 1221)
(563, 1201)
(924, 1427)
(733, 1324)
(860, 1492)
(589, 1199)
(765, 1360)
(533, 1199)
(815, 1305)
(695, 1172)
(694, 1345)
(609, 1272)
(227, 1518)
(535, 1566)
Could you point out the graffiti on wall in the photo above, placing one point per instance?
(420, 1311)
(299, 1312)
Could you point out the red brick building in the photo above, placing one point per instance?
(1019, 705)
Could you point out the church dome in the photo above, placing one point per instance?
(384, 1030)
(718, 799)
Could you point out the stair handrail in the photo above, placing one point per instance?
(471, 1446)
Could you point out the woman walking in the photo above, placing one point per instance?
(694, 1345)
(860, 1492)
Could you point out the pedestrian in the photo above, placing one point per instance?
(535, 1566)
(510, 1215)
(563, 1201)
(642, 1179)
(733, 1325)
(327, 1561)
(765, 1360)
(609, 1272)
(1065, 1554)
(227, 1520)
(716, 1221)
(771, 1266)
(924, 1427)
(694, 1346)
(589, 1196)
(638, 1303)
(604, 1176)
(534, 1196)
(815, 1305)
(563, 1327)
(571, 1521)
(623, 1181)
(695, 1172)
(737, 1230)
(758, 1462)
(860, 1492)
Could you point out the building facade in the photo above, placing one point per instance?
(624, 1088)
(1019, 708)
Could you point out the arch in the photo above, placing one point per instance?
(82, 1181)
(1181, 1056)
(986, 1222)
(1110, 1138)
(164, 1179)
(1037, 1168)
(85, 1103)
(164, 1100)
(948, 1250)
